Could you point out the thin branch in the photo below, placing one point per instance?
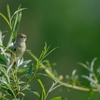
(57, 79)
(63, 83)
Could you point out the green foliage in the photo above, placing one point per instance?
(15, 79)
(58, 98)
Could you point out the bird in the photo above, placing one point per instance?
(19, 47)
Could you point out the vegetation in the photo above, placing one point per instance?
(16, 79)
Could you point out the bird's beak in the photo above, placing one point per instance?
(27, 37)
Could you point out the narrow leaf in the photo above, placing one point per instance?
(42, 86)
(4, 17)
(26, 87)
(24, 64)
(10, 92)
(92, 64)
(17, 12)
(3, 59)
(41, 95)
(30, 70)
(8, 12)
(84, 65)
(58, 98)
(89, 79)
(35, 92)
(14, 26)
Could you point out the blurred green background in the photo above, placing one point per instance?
(71, 25)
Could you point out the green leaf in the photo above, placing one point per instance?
(8, 12)
(46, 52)
(4, 17)
(7, 49)
(10, 92)
(1, 41)
(2, 97)
(35, 92)
(1, 38)
(19, 10)
(3, 59)
(92, 64)
(3, 70)
(91, 93)
(3, 81)
(41, 95)
(42, 86)
(16, 99)
(58, 98)
(23, 69)
(21, 82)
(24, 64)
(30, 70)
(84, 65)
(26, 87)
(15, 22)
(14, 27)
(90, 79)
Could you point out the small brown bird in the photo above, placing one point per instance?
(19, 46)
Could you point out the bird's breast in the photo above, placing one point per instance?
(20, 49)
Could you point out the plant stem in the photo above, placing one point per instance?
(57, 79)
(63, 83)
(69, 85)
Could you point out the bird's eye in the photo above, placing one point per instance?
(21, 36)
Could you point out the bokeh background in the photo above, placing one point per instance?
(71, 25)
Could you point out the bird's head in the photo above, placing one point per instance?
(21, 38)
